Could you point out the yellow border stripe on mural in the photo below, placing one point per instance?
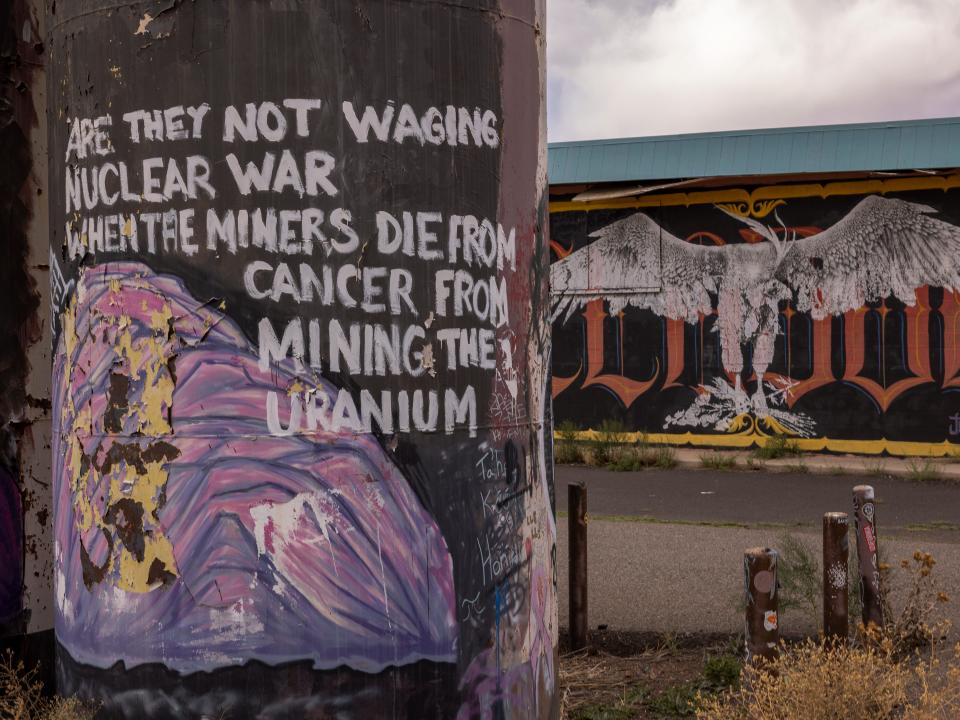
(767, 192)
(742, 441)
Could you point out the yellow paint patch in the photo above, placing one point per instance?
(149, 486)
(161, 321)
(146, 362)
(133, 575)
(147, 359)
(82, 507)
(822, 444)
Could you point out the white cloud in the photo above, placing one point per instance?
(646, 67)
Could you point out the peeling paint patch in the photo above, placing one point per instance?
(144, 24)
(277, 524)
(119, 476)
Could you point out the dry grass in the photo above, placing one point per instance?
(611, 449)
(814, 682)
(718, 461)
(645, 676)
(568, 453)
(918, 625)
(889, 673)
(923, 470)
(611, 436)
(900, 672)
(22, 697)
(566, 450)
(592, 684)
(642, 456)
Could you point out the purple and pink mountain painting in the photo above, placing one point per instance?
(309, 546)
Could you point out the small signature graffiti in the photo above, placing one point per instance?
(474, 609)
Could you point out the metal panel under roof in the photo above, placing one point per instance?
(883, 146)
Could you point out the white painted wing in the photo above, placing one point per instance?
(635, 262)
(882, 247)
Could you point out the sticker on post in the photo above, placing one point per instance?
(868, 536)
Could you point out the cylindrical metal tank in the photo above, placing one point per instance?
(300, 465)
(26, 614)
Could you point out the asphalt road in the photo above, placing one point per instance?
(668, 558)
(752, 497)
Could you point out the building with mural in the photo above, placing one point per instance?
(724, 288)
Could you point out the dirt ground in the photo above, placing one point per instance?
(630, 675)
(665, 572)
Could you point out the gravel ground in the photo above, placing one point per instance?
(671, 560)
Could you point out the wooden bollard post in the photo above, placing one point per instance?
(836, 550)
(577, 523)
(762, 626)
(865, 522)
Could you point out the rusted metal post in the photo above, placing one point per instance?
(577, 518)
(836, 547)
(762, 629)
(865, 519)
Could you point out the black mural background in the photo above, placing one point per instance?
(841, 409)
(365, 52)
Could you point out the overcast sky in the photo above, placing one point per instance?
(621, 68)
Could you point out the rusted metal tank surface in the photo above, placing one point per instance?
(26, 546)
(300, 467)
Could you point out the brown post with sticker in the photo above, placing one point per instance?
(865, 522)
(577, 523)
(836, 546)
(762, 628)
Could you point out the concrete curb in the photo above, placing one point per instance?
(920, 468)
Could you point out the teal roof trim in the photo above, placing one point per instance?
(909, 145)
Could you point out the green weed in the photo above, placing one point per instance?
(566, 450)
(777, 447)
(934, 525)
(876, 467)
(800, 576)
(611, 436)
(568, 430)
(678, 701)
(721, 672)
(923, 471)
(718, 461)
(568, 453)
(665, 458)
(643, 457)
(623, 709)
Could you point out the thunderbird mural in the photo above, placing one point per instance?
(823, 318)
